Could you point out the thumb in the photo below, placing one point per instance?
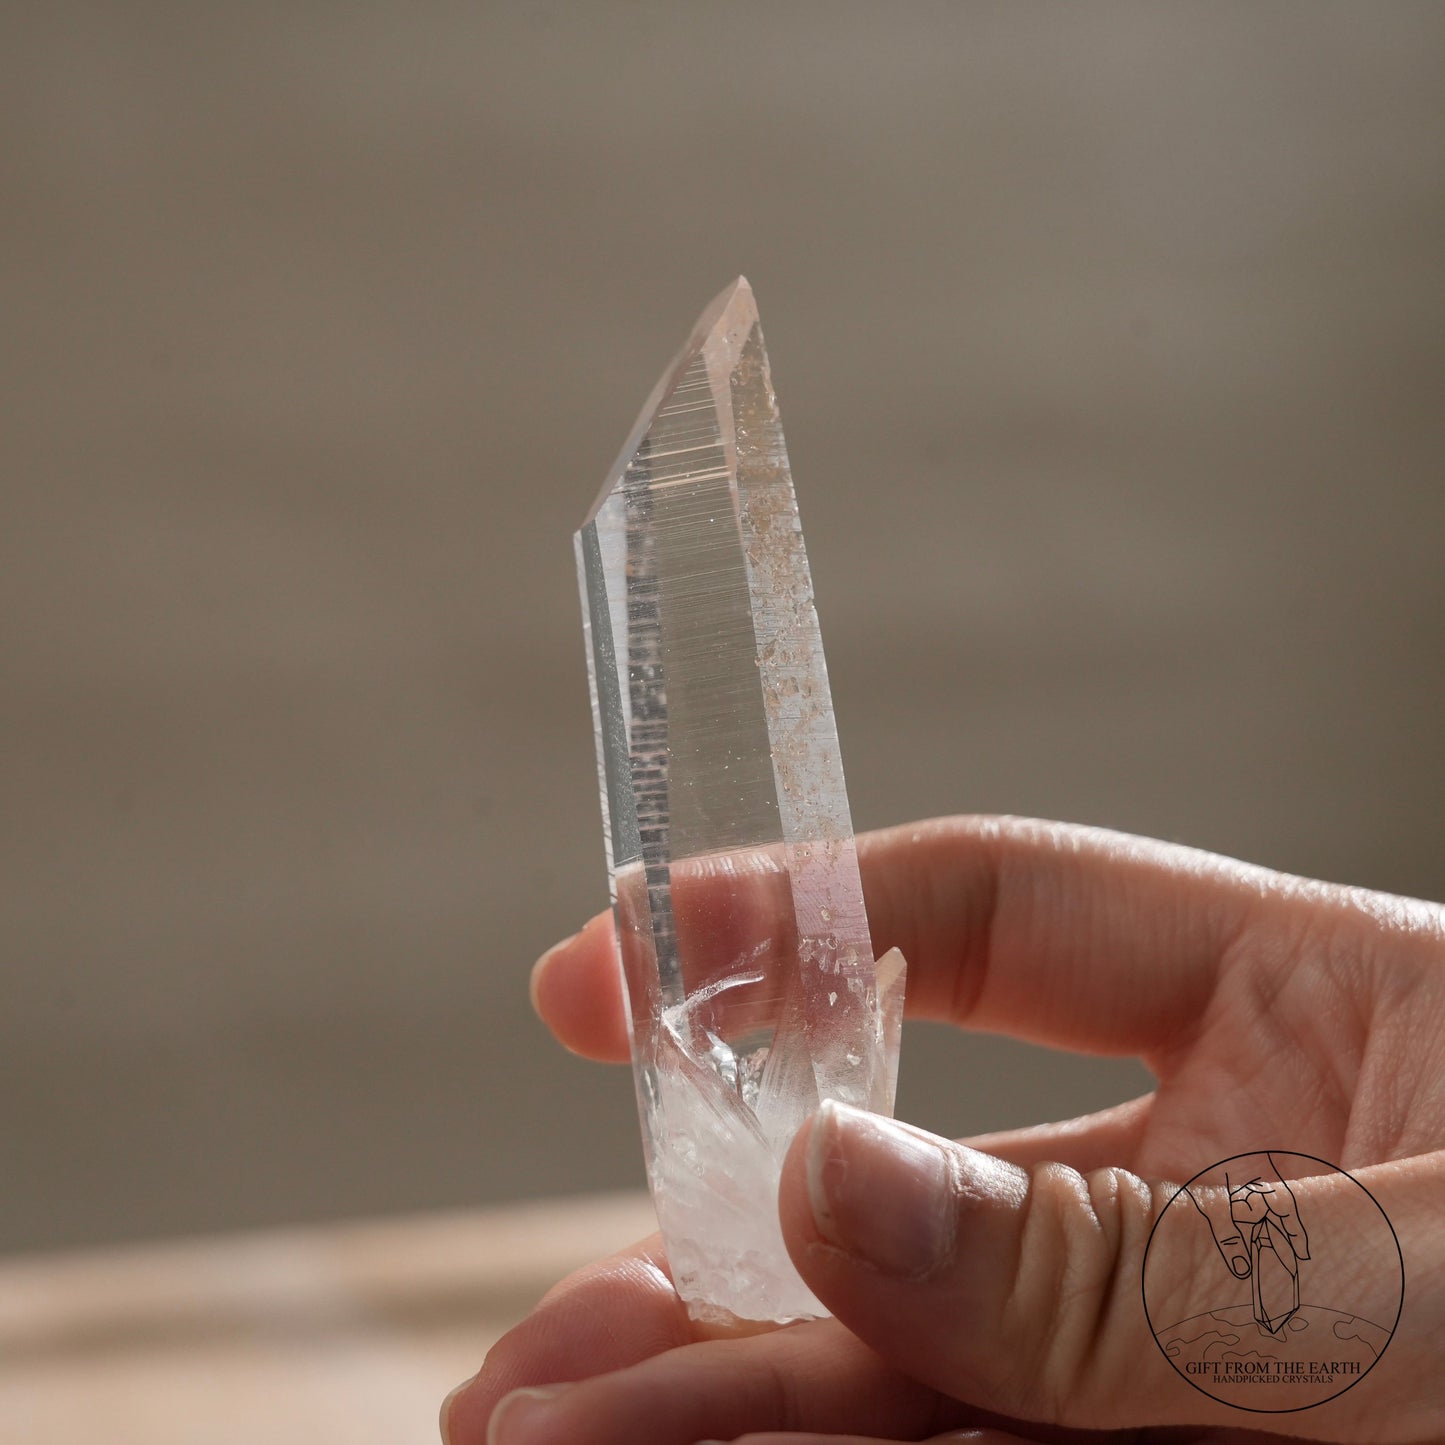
(1018, 1290)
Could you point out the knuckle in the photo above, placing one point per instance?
(1079, 1272)
(783, 1405)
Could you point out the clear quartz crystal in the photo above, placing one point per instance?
(752, 988)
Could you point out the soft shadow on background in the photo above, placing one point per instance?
(1110, 344)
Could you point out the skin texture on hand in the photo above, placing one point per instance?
(995, 1285)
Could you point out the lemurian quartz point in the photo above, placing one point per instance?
(750, 977)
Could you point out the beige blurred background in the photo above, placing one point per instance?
(1110, 342)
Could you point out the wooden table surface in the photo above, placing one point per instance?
(349, 1332)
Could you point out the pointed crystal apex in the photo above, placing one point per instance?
(732, 313)
(751, 983)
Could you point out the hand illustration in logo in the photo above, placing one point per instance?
(1257, 1229)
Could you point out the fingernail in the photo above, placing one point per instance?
(1240, 1265)
(881, 1191)
(520, 1416)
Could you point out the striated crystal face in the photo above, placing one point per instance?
(752, 988)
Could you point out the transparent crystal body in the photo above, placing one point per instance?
(752, 988)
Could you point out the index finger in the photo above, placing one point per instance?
(1074, 937)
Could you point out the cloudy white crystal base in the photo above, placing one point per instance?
(718, 1129)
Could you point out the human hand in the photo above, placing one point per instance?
(1235, 984)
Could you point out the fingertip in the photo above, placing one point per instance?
(534, 982)
(463, 1417)
(444, 1415)
(576, 990)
